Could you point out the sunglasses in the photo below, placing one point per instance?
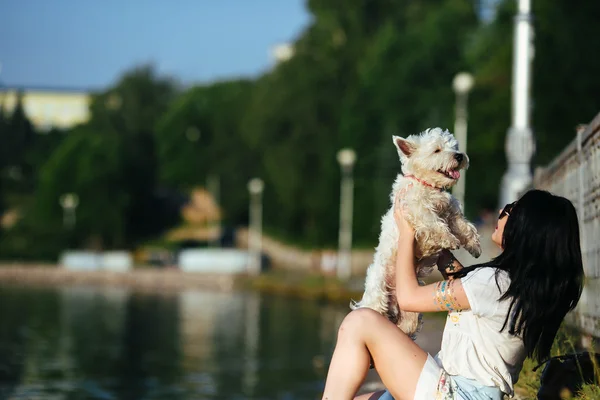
(506, 210)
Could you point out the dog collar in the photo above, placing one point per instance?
(422, 182)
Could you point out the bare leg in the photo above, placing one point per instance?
(397, 358)
(350, 361)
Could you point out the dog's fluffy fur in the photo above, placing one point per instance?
(430, 163)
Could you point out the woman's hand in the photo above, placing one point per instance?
(445, 258)
(406, 230)
(447, 264)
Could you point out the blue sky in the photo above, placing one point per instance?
(89, 43)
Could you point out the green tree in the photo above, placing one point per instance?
(131, 110)
(88, 164)
(41, 150)
(18, 137)
(404, 87)
(359, 74)
(201, 135)
(110, 163)
(3, 157)
(566, 81)
(490, 58)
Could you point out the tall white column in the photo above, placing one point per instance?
(520, 144)
(462, 85)
(213, 185)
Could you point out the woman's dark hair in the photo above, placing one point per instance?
(542, 256)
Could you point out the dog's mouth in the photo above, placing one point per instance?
(453, 174)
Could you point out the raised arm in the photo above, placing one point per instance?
(448, 265)
(446, 295)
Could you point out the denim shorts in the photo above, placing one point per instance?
(435, 384)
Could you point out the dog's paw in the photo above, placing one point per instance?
(450, 243)
(474, 249)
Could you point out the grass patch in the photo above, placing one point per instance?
(302, 285)
(589, 392)
(565, 343)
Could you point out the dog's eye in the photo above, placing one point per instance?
(438, 150)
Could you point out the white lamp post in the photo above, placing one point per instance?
(255, 187)
(69, 203)
(213, 184)
(346, 158)
(520, 145)
(462, 85)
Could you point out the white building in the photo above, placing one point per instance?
(49, 107)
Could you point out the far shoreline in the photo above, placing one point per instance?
(150, 279)
(305, 286)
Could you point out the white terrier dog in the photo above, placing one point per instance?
(430, 163)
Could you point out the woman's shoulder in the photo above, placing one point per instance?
(484, 287)
(489, 271)
(482, 273)
(488, 275)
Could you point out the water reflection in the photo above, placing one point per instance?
(107, 343)
(100, 343)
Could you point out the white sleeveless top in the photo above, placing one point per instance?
(472, 344)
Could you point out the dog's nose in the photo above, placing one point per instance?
(459, 157)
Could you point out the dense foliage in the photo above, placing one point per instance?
(360, 73)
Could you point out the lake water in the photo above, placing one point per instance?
(106, 343)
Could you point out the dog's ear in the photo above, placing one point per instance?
(404, 146)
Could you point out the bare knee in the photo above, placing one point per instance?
(357, 322)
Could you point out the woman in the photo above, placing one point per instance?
(499, 312)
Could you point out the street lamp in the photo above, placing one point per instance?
(462, 85)
(69, 203)
(255, 187)
(520, 145)
(213, 184)
(346, 158)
